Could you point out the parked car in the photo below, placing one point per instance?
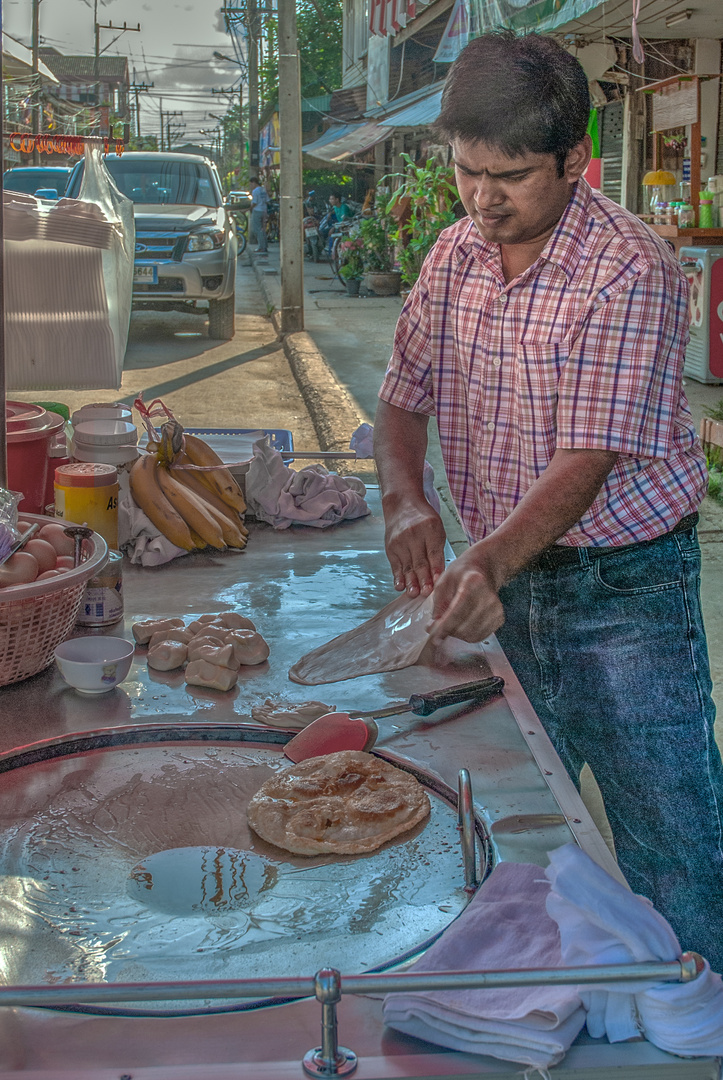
(45, 181)
(242, 198)
(186, 239)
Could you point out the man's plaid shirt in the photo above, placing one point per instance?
(584, 350)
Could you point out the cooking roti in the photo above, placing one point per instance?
(346, 803)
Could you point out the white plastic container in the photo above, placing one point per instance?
(104, 433)
(108, 455)
(101, 411)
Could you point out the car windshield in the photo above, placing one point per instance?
(31, 180)
(172, 182)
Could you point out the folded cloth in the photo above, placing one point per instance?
(602, 922)
(139, 538)
(312, 496)
(504, 926)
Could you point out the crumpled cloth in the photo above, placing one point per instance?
(602, 922)
(139, 538)
(363, 442)
(313, 496)
(504, 926)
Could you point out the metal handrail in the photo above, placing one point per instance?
(687, 968)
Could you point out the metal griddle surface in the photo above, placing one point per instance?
(134, 862)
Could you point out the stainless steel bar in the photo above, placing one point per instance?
(329, 1059)
(466, 825)
(687, 968)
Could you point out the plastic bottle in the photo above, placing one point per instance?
(705, 214)
(87, 493)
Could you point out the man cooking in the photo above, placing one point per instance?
(547, 333)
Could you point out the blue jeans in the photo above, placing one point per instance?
(613, 656)
(258, 228)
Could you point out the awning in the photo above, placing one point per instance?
(419, 114)
(389, 16)
(18, 61)
(342, 141)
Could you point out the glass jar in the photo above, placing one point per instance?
(686, 216)
(660, 214)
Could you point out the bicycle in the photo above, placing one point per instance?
(272, 223)
(337, 236)
(242, 230)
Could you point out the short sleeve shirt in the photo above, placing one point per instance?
(259, 199)
(584, 350)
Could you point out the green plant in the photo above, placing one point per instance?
(351, 264)
(426, 198)
(379, 235)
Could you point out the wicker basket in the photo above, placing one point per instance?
(35, 618)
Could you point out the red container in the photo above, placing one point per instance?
(30, 430)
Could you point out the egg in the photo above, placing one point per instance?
(23, 526)
(48, 574)
(55, 535)
(20, 569)
(65, 562)
(44, 552)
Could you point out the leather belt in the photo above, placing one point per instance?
(559, 555)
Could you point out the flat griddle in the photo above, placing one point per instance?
(126, 857)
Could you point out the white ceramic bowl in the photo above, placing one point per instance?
(94, 665)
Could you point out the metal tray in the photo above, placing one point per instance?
(126, 857)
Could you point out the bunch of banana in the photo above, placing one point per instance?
(192, 508)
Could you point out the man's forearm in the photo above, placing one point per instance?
(400, 443)
(556, 501)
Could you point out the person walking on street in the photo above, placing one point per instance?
(547, 333)
(259, 213)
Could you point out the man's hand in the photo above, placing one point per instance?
(466, 604)
(414, 540)
(466, 601)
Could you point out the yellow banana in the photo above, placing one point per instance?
(198, 541)
(192, 480)
(218, 479)
(232, 536)
(193, 511)
(148, 495)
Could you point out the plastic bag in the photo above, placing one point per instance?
(68, 285)
(9, 531)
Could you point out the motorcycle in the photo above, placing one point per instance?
(310, 225)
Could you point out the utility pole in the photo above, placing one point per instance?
(125, 28)
(241, 149)
(139, 88)
(253, 66)
(38, 104)
(291, 201)
(178, 128)
(160, 137)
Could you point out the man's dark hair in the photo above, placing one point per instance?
(521, 94)
(253, 179)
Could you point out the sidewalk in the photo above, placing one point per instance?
(354, 336)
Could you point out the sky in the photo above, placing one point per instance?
(174, 50)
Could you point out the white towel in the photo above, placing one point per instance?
(312, 496)
(138, 537)
(602, 922)
(504, 926)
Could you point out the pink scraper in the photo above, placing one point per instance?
(340, 731)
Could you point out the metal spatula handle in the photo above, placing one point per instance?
(481, 690)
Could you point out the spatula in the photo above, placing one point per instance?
(344, 731)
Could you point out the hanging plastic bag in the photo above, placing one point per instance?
(68, 285)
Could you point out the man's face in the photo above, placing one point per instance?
(514, 200)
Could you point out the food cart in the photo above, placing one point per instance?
(301, 587)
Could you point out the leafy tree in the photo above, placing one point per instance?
(318, 25)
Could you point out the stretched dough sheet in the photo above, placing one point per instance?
(394, 638)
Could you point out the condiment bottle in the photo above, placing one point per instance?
(705, 214)
(87, 493)
(102, 603)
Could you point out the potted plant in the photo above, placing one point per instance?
(351, 265)
(428, 195)
(379, 235)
